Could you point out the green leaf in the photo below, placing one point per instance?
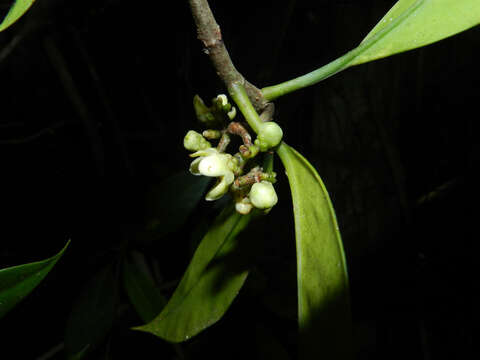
(92, 314)
(211, 282)
(144, 295)
(408, 25)
(322, 282)
(18, 8)
(18, 281)
(414, 23)
(172, 201)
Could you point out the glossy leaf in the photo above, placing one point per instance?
(92, 314)
(414, 23)
(18, 8)
(408, 25)
(211, 282)
(322, 282)
(172, 201)
(18, 281)
(142, 291)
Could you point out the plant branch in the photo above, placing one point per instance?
(241, 98)
(210, 34)
(339, 64)
(275, 91)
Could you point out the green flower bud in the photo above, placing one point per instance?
(203, 112)
(194, 141)
(244, 206)
(232, 113)
(262, 195)
(249, 152)
(269, 135)
(223, 99)
(212, 134)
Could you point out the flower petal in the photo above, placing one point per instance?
(219, 189)
(215, 165)
(194, 166)
(204, 152)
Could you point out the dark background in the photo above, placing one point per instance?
(96, 98)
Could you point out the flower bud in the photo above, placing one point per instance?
(269, 135)
(262, 195)
(232, 113)
(244, 206)
(194, 141)
(203, 112)
(212, 134)
(223, 99)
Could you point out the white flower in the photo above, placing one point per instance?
(262, 195)
(210, 162)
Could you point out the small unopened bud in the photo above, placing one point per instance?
(244, 206)
(269, 136)
(262, 195)
(232, 113)
(212, 134)
(249, 152)
(223, 99)
(203, 112)
(194, 141)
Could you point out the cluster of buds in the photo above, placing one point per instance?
(238, 174)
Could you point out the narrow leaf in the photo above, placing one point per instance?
(18, 281)
(144, 295)
(211, 282)
(323, 299)
(414, 23)
(172, 201)
(92, 315)
(18, 8)
(408, 25)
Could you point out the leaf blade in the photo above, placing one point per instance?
(16, 282)
(92, 314)
(209, 285)
(408, 25)
(323, 300)
(144, 295)
(17, 10)
(411, 24)
(169, 208)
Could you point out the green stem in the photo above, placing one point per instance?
(240, 96)
(272, 92)
(339, 64)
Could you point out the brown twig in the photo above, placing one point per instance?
(236, 128)
(209, 33)
(267, 113)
